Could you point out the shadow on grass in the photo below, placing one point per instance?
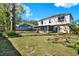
(46, 34)
(38, 35)
(6, 48)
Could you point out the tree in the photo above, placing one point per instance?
(32, 22)
(74, 27)
(18, 20)
(13, 26)
(4, 16)
(16, 9)
(9, 14)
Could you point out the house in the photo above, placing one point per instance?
(57, 23)
(24, 27)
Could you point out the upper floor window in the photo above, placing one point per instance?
(61, 19)
(41, 22)
(49, 20)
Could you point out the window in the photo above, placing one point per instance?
(41, 22)
(49, 20)
(61, 19)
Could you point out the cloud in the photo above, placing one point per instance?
(27, 11)
(28, 14)
(65, 5)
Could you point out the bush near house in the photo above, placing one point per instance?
(12, 34)
(1, 34)
(74, 28)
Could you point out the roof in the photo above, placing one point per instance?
(24, 27)
(57, 16)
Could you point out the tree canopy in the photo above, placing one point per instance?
(7, 14)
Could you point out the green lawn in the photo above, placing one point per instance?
(39, 44)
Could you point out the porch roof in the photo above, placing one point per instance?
(55, 25)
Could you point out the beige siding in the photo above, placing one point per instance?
(64, 29)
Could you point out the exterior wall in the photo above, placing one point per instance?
(64, 29)
(60, 29)
(62, 26)
(54, 21)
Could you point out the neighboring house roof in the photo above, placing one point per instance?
(58, 15)
(24, 27)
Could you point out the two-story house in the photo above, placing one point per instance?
(56, 23)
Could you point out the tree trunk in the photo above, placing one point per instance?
(13, 17)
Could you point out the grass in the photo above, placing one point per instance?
(35, 44)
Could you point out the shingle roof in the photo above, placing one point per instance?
(57, 16)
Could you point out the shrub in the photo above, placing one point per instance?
(74, 28)
(12, 34)
(76, 47)
(1, 34)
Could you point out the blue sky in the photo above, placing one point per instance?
(37, 11)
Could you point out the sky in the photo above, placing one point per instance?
(37, 11)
